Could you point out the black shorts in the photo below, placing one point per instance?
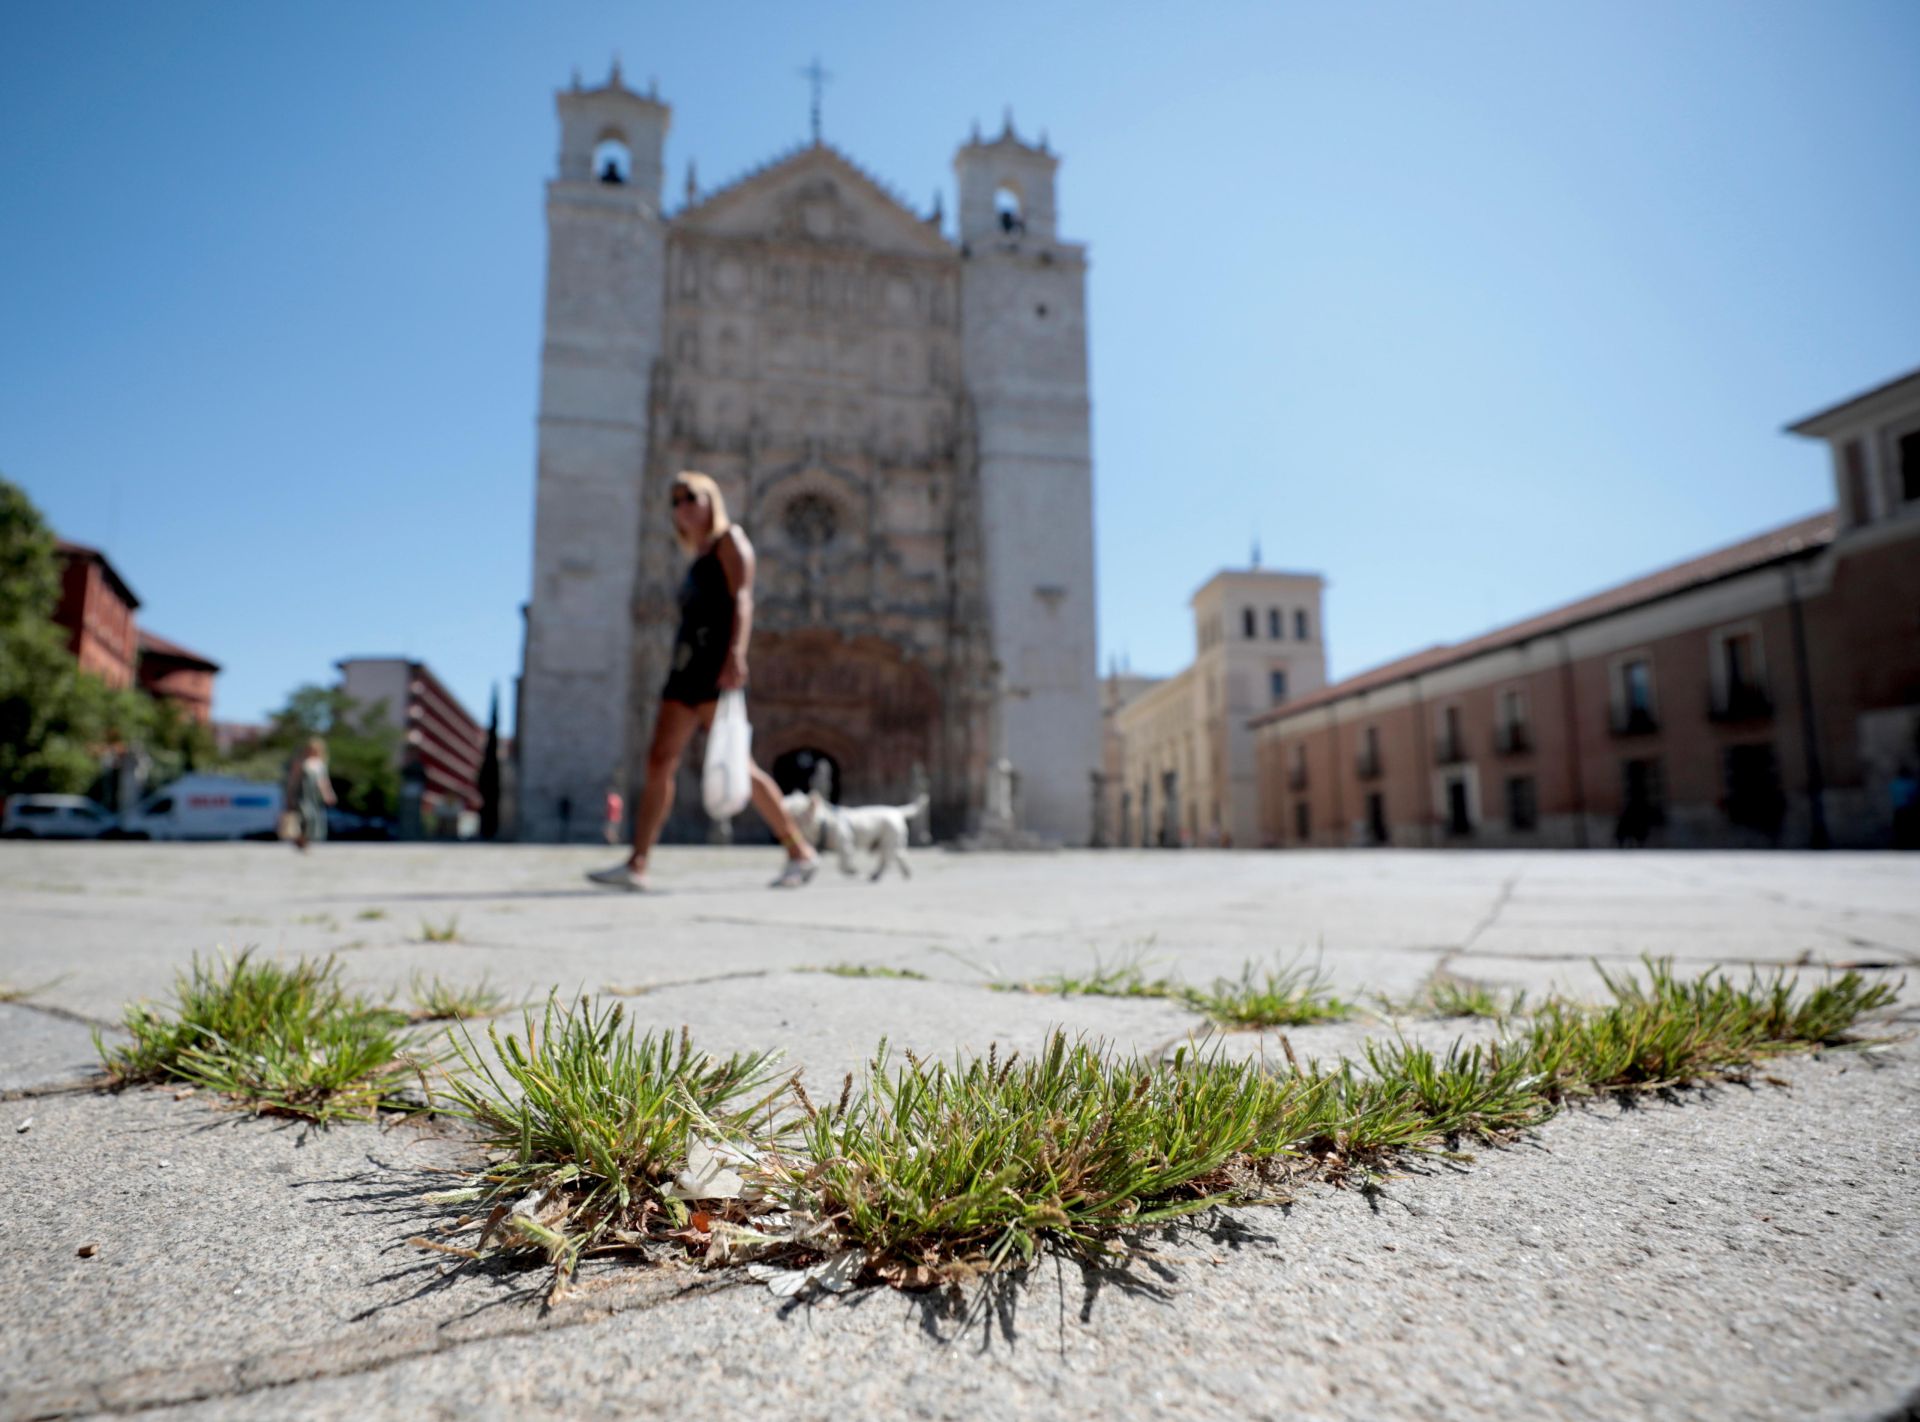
(695, 678)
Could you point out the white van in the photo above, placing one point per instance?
(206, 807)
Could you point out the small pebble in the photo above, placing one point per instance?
(87, 1251)
(24, 1126)
(165, 1163)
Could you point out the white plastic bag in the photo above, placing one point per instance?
(726, 781)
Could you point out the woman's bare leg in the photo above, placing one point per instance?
(766, 799)
(672, 729)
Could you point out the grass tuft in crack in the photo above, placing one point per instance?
(1288, 995)
(1127, 978)
(589, 1122)
(1447, 996)
(868, 970)
(930, 1173)
(436, 1000)
(285, 1040)
(448, 932)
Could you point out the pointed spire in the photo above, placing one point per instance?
(576, 78)
(1006, 126)
(1256, 550)
(976, 132)
(939, 206)
(613, 77)
(693, 185)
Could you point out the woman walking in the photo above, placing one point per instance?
(709, 657)
(309, 792)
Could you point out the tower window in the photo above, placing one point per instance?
(611, 161)
(1910, 466)
(1276, 628)
(1006, 210)
(1247, 624)
(1300, 624)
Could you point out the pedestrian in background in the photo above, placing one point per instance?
(616, 814)
(309, 792)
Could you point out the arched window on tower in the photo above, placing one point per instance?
(1006, 209)
(612, 163)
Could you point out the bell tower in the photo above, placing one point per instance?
(1024, 355)
(606, 259)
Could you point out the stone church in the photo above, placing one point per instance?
(897, 414)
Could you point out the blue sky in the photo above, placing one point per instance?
(1472, 307)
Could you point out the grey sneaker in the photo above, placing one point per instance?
(796, 873)
(619, 876)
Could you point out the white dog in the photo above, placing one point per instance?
(842, 830)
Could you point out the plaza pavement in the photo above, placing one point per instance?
(1746, 1251)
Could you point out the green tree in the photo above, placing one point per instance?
(56, 722)
(363, 748)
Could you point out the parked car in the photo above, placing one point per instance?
(206, 807)
(345, 824)
(55, 817)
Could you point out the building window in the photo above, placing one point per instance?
(1643, 801)
(1910, 466)
(1297, 776)
(1853, 460)
(1633, 713)
(1248, 624)
(1376, 818)
(1300, 624)
(1739, 684)
(1459, 806)
(1754, 798)
(1450, 747)
(1369, 761)
(1510, 735)
(1523, 808)
(1276, 627)
(1302, 821)
(1277, 685)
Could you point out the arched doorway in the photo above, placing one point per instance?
(804, 768)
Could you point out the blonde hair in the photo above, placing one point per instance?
(716, 503)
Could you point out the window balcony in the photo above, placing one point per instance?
(1634, 721)
(1449, 750)
(1512, 739)
(1297, 778)
(1367, 765)
(1742, 701)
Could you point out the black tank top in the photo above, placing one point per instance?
(706, 613)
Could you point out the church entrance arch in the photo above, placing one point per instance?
(806, 768)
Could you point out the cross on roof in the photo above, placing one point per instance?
(818, 78)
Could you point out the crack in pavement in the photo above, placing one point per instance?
(149, 1389)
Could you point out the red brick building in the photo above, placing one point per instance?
(171, 672)
(96, 608)
(1765, 693)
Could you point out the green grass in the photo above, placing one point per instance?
(1448, 996)
(1126, 978)
(589, 1122)
(926, 1173)
(448, 932)
(868, 970)
(371, 915)
(279, 1039)
(1287, 995)
(435, 1000)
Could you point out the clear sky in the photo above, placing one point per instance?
(1472, 307)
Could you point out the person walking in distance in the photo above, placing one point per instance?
(309, 792)
(709, 657)
(616, 812)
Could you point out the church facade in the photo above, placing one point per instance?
(900, 420)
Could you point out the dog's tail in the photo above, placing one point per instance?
(916, 809)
